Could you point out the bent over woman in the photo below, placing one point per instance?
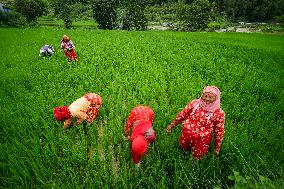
(85, 108)
(140, 121)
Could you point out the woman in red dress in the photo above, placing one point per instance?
(69, 48)
(140, 121)
(200, 118)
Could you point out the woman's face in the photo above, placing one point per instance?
(65, 39)
(208, 97)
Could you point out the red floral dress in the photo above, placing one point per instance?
(138, 113)
(69, 50)
(94, 108)
(197, 128)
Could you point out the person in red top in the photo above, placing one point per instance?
(85, 108)
(200, 118)
(69, 48)
(140, 121)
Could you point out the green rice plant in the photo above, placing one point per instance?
(163, 70)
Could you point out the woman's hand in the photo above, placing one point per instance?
(67, 123)
(89, 120)
(216, 153)
(127, 138)
(78, 122)
(169, 128)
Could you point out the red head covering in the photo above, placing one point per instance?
(138, 148)
(216, 104)
(61, 113)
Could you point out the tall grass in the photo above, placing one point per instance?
(163, 70)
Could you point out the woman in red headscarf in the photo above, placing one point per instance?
(85, 108)
(200, 118)
(140, 121)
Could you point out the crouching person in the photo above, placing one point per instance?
(140, 122)
(85, 108)
(46, 50)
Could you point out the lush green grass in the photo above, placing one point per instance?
(164, 70)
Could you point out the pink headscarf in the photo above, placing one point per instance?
(213, 106)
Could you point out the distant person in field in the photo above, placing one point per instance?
(46, 50)
(200, 118)
(140, 121)
(85, 108)
(69, 48)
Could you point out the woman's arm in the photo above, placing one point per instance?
(78, 122)
(81, 117)
(219, 131)
(182, 115)
(67, 123)
(129, 124)
(62, 45)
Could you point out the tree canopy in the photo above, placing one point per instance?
(31, 9)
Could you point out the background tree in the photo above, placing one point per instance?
(253, 10)
(134, 15)
(195, 16)
(104, 11)
(31, 9)
(63, 10)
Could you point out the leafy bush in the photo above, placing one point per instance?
(12, 19)
(212, 26)
(249, 182)
(269, 28)
(280, 19)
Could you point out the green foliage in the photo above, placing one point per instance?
(252, 10)
(105, 13)
(63, 9)
(134, 17)
(163, 70)
(31, 9)
(280, 19)
(248, 182)
(161, 13)
(195, 16)
(12, 19)
(212, 26)
(81, 11)
(268, 28)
